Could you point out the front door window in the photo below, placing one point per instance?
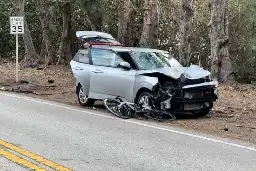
(105, 57)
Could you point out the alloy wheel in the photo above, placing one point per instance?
(83, 98)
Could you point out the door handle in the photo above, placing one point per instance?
(97, 71)
(78, 68)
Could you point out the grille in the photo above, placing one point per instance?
(196, 81)
(198, 93)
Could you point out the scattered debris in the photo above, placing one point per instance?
(20, 90)
(50, 81)
(39, 68)
(49, 86)
(226, 128)
(244, 126)
(24, 82)
(94, 108)
(223, 116)
(43, 94)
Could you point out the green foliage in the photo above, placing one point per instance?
(7, 45)
(243, 39)
(103, 14)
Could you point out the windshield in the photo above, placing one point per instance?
(174, 63)
(149, 60)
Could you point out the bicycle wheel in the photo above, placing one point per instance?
(170, 116)
(159, 115)
(121, 112)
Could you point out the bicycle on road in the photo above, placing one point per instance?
(127, 110)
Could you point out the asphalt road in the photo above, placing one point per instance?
(84, 140)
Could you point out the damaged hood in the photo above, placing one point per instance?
(195, 72)
(192, 72)
(167, 71)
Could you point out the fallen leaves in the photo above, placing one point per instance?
(245, 126)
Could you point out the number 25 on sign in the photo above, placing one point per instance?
(16, 28)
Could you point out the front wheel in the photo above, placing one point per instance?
(143, 98)
(83, 99)
(204, 111)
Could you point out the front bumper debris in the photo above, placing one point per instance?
(195, 98)
(217, 93)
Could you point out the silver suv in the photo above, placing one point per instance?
(109, 70)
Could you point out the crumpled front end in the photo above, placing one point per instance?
(184, 94)
(195, 95)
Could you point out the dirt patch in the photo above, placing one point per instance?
(34, 82)
(233, 116)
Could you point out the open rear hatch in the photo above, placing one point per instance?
(88, 38)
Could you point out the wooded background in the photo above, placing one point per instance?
(222, 32)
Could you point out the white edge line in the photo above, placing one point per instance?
(133, 122)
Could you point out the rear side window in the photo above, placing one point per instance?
(82, 56)
(104, 57)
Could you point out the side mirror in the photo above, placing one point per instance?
(125, 65)
(195, 59)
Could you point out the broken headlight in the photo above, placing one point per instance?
(166, 104)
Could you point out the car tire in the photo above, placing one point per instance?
(205, 111)
(143, 97)
(84, 100)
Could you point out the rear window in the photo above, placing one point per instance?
(82, 56)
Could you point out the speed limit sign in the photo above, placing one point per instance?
(17, 25)
(16, 28)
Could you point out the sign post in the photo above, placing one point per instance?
(16, 28)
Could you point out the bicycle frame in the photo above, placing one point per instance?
(144, 110)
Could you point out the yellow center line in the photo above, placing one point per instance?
(20, 161)
(34, 156)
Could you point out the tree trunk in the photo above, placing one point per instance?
(219, 37)
(43, 12)
(88, 20)
(187, 14)
(64, 51)
(92, 13)
(43, 53)
(31, 59)
(155, 23)
(149, 36)
(124, 10)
